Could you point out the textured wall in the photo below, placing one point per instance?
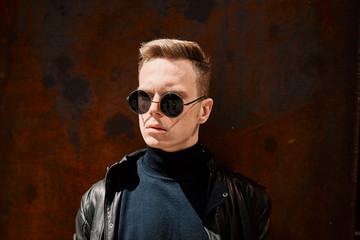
(284, 85)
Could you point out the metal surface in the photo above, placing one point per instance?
(284, 85)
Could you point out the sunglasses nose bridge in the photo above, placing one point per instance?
(154, 101)
(154, 107)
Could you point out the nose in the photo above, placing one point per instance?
(155, 108)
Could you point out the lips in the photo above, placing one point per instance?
(156, 128)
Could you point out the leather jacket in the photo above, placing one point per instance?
(238, 208)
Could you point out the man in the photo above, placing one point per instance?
(174, 189)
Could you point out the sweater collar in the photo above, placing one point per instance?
(185, 164)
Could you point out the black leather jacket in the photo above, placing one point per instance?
(238, 208)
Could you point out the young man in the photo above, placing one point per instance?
(174, 189)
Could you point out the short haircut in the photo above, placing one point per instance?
(179, 49)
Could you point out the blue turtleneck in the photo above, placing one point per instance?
(169, 198)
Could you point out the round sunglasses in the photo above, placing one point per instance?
(171, 104)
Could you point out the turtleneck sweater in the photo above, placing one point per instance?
(168, 196)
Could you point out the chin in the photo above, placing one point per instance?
(153, 142)
(165, 146)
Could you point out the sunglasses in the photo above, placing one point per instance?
(171, 104)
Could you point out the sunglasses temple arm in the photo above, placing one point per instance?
(185, 104)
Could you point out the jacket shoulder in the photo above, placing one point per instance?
(252, 192)
(93, 199)
(246, 182)
(96, 191)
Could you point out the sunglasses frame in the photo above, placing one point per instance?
(160, 102)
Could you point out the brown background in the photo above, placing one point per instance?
(284, 85)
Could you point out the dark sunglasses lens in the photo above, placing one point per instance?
(171, 105)
(139, 101)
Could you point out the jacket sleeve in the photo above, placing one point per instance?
(81, 223)
(263, 216)
(253, 206)
(89, 218)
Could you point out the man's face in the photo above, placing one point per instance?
(158, 77)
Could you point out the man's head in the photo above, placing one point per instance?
(179, 67)
(178, 49)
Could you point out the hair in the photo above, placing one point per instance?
(179, 49)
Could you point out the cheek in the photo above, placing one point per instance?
(193, 117)
(189, 121)
(141, 123)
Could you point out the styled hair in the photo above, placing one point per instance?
(179, 49)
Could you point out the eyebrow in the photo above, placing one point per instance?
(162, 92)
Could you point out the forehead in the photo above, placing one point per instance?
(163, 75)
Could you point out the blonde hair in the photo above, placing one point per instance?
(179, 49)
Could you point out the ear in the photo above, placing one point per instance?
(206, 107)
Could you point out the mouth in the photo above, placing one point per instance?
(156, 128)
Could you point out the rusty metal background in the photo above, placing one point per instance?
(284, 85)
